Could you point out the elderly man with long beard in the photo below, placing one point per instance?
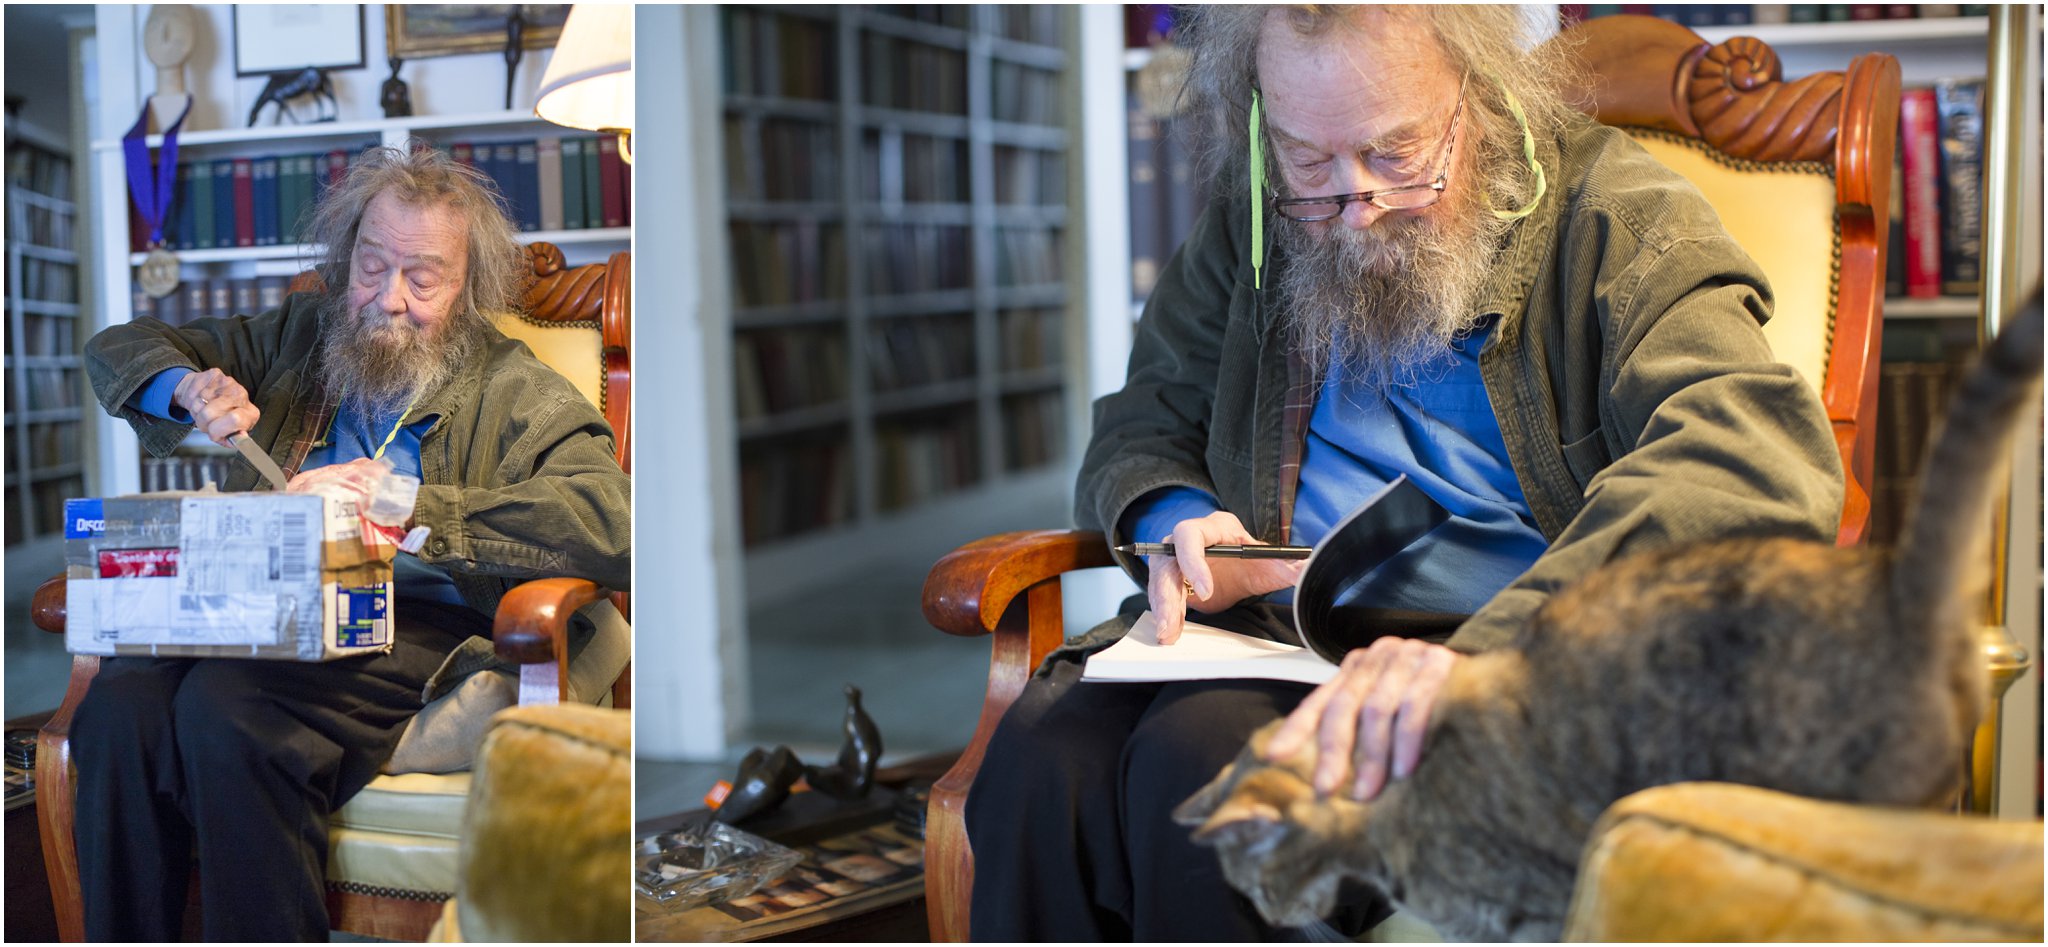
(1455, 276)
(238, 762)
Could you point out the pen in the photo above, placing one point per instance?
(1221, 552)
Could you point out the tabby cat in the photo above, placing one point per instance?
(1841, 674)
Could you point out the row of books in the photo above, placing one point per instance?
(46, 335)
(1742, 14)
(1033, 430)
(50, 444)
(572, 182)
(790, 487)
(1029, 22)
(1031, 338)
(779, 263)
(218, 297)
(1025, 94)
(40, 170)
(777, 55)
(48, 227)
(914, 168)
(186, 471)
(1027, 256)
(781, 159)
(52, 387)
(49, 281)
(1165, 196)
(916, 258)
(906, 74)
(780, 370)
(46, 499)
(1937, 220)
(916, 352)
(1912, 397)
(1030, 176)
(922, 458)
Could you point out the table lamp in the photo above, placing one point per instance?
(589, 81)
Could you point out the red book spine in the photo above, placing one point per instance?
(1919, 145)
(1866, 11)
(612, 174)
(245, 205)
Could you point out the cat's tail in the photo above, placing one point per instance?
(1943, 555)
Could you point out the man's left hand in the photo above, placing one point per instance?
(1373, 715)
(357, 478)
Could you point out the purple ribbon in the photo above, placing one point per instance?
(152, 198)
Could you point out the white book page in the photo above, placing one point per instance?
(1202, 654)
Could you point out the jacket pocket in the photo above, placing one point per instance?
(1587, 456)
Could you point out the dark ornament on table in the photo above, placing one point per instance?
(284, 86)
(762, 783)
(395, 96)
(515, 33)
(853, 775)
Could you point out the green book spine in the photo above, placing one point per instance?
(202, 205)
(593, 193)
(572, 183)
(287, 199)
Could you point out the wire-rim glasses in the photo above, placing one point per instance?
(1406, 197)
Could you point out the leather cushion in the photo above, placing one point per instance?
(1784, 219)
(576, 350)
(1719, 862)
(413, 804)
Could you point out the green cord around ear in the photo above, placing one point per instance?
(1528, 152)
(1258, 163)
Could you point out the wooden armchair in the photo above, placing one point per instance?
(392, 858)
(1800, 173)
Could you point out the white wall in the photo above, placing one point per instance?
(450, 85)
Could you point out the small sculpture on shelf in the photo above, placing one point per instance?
(167, 39)
(515, 49)
(395, 96)
(766, 777)
(285, 86)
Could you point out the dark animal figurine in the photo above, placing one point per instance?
(285, 86)
(1839, 674)
(763, 781)
(853, 775)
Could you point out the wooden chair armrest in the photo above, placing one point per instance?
(46, 610)
(968, 591)
(532, 630)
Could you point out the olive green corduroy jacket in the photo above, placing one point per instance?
(518, 472)
(1628, 371)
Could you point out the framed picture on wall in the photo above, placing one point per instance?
(287, 37)
(420, 30)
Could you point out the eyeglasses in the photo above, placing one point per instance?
(1406, 197)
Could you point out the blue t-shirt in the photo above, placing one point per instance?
(350, 437)
(1442, 433)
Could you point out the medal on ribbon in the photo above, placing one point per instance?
(150, 188)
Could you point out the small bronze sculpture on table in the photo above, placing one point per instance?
(766, 776)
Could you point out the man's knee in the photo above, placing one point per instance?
(220, 716)
(128, 704)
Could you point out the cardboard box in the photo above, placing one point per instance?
(224, 575)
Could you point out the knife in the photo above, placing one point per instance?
(258, 459)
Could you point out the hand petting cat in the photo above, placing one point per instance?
(1372, 717)
(1189, 578)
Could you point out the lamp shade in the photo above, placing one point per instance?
(589, 82)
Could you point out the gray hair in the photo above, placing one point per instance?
(1491, 44)
(418, 174)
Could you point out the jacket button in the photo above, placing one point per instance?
(440, 546)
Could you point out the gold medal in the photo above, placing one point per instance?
(158, 274)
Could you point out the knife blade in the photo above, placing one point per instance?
(258, 459)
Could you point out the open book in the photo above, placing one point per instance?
(1389, 522)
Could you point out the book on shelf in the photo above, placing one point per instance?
(1959, 105)
(216, 297)
(1920, 149)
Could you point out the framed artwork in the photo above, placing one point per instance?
(421, 30)
(288, 37)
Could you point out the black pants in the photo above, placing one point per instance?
(1070, 817)
(237, 762)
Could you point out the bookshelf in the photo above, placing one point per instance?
(238, 278)
(45, 377)
(897, 207)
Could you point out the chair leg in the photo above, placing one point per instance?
(56, 795)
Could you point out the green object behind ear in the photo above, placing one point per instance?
(1528, 152)
(1258, 164)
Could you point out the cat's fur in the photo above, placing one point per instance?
(1841, 674)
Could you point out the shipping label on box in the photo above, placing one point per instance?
(261, 575)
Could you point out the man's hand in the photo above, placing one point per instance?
(356, 479)
(1216, 584)
(219, 405)
(1373, 713)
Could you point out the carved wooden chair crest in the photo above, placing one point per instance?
(1800, 173)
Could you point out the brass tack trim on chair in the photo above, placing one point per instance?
(378, 891)
(1727, 160)
(603, 391)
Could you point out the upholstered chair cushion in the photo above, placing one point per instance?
(1719, 862)
(1782, 214)
(576, 349)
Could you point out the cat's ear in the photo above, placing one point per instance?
(1196, 809)
(1241, 814)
